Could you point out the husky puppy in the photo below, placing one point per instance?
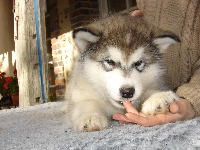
(120, 59)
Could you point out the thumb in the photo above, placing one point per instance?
(173, 108)
(136, 13)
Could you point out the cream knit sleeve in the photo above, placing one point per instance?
(181, 17)
(191, 90)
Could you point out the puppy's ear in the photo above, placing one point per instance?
(164, 41)
(83, 37)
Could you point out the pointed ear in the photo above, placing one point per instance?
(83, 37)
(164, 41)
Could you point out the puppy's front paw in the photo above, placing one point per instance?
(158, 103)
(91, 122)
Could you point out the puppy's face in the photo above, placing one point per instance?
(123, 77)
(121, 64)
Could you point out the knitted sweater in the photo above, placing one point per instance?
(182, 17)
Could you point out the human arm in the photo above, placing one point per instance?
(191, 90)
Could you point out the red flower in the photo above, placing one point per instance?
(8, 79)
(5, 86)
(2, 74)
(8, 85)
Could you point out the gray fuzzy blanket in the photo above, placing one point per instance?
(42, 127)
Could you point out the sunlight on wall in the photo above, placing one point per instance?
(14, 58)
(4, 63)
(63, 52)
(1, 61)
(68, 54)
(8, 62)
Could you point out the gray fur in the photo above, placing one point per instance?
(117, 54)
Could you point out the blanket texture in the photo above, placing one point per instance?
(42, 127)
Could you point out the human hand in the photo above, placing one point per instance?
(178, 110)
(136, 13)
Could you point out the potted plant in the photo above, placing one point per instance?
(9, 87)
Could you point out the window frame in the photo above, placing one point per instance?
(103, 7)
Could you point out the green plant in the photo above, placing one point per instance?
(52, 97)
(8, 85)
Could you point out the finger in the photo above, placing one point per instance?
(179, 106)
(173, 108)
(136, 13)
(122, 122)
(155, 120)
(152, 120)
(122, 118)
(166, 118)
(129, 107)
(144, 120)
(138, 119)
(184, 109)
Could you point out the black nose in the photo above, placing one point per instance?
(127, 92)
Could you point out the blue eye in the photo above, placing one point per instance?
(110, 62)
(139, 65)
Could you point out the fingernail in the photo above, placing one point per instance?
(136, 13)
(133, 13)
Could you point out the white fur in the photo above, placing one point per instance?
(137, 55)
(83, 38)
(115, 79)
(115, 54)
(94, 92)
(164, 43)
(128, 38)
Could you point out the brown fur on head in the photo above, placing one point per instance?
(123, 31)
